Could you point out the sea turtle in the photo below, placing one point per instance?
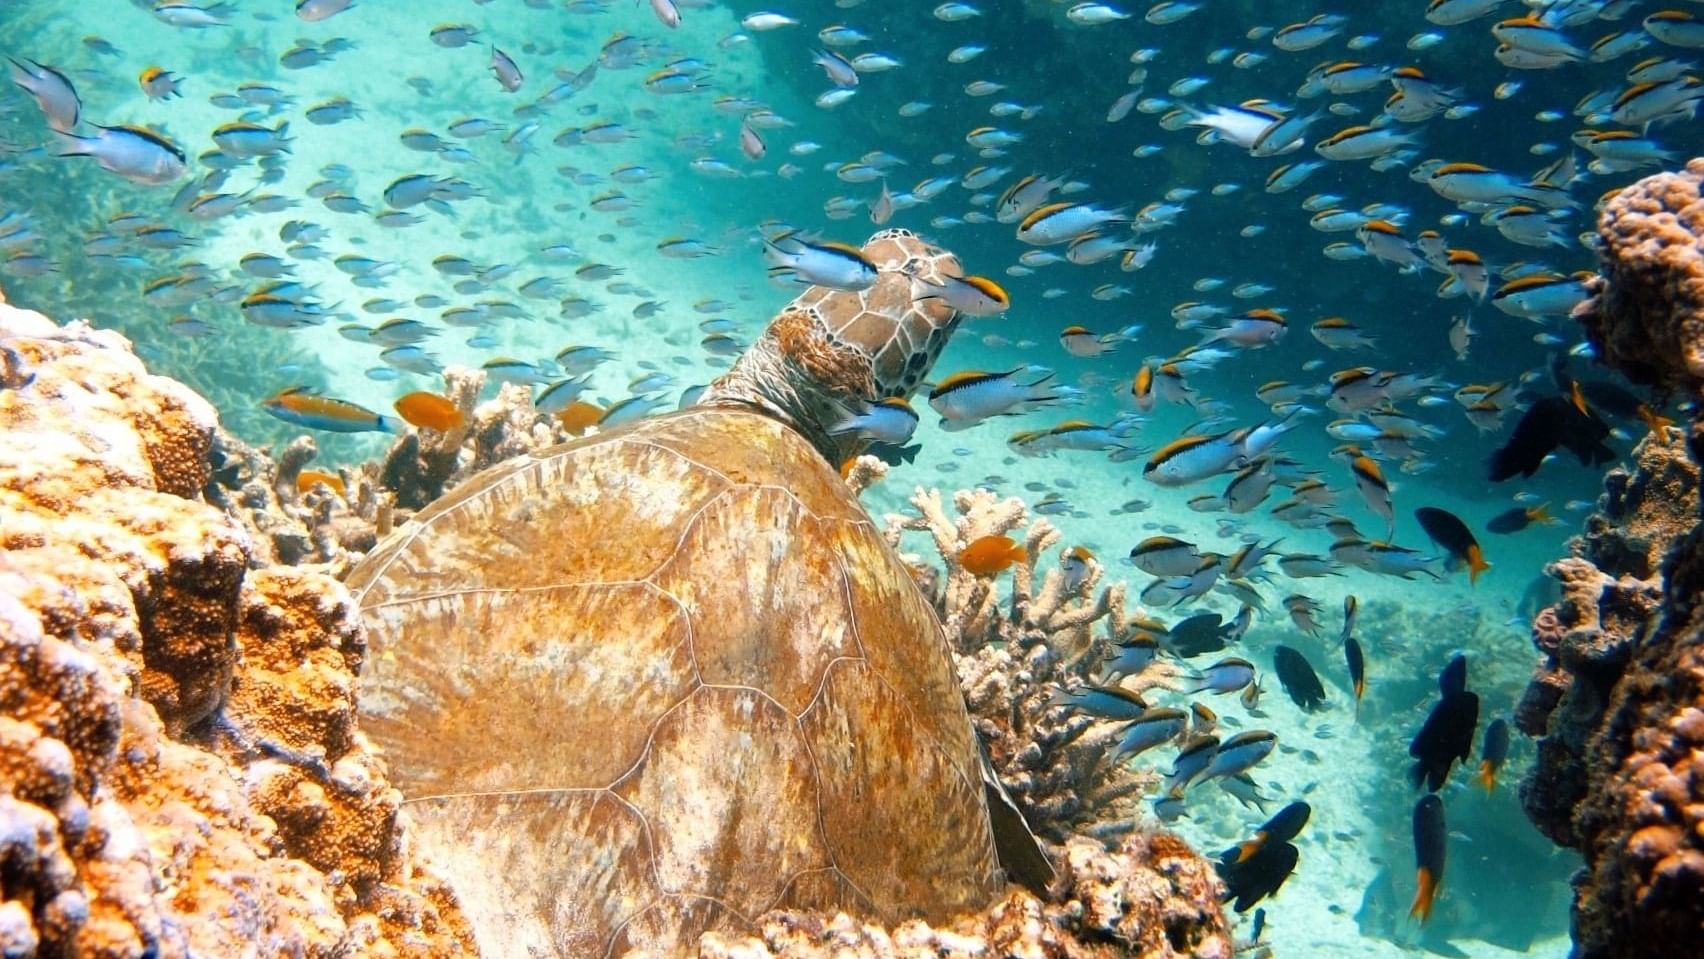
(665, 678)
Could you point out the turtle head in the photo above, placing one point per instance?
(830, 352)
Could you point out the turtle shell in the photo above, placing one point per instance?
(662, 680)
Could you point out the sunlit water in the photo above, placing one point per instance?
(687, 177)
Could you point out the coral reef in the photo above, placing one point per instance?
(1611, 591)
(178, 662)
(182, 768)
(295, 523)
(1053, 762)
(1619, 697)
(1646, 315)
(1153, 898)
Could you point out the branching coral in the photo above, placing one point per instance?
(1055, 763)
(331, 529)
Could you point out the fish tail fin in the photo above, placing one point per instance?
(1654, 421)
(1018, 555)
(1423, 896)
(72, 145)
(389, 424)
(1246, 850)
(1540, 514)
(1487, 776)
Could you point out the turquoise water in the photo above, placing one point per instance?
(544, 213)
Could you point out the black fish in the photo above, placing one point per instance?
(1199, 634)
(1606, 396)
(1298, 678)
(1260, 875)
(1448, 732)
(1517, 518)
(1284, 826)
(1549, 423)
(1357, 669)
(1452, 535)
(1429, 835)
(1493, 752)
(893, 454)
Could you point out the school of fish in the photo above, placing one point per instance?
(1298, 118)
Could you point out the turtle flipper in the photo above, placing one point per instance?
(1021, 855)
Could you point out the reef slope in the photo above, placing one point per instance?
(1619, 697)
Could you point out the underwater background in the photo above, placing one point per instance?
(544, 210)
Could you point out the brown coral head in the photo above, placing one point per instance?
(1646, 316)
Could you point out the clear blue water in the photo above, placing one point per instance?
(1058, 78)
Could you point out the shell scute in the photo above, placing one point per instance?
(477, 666)
(584, 840)
(745, 821)
(881, 777)
(775, 615)
(662, 681)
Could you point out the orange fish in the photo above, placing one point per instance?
(429, 411)
(579, 416)
(991, 555)
(1654, 421)
(308, 479)
(303, 407)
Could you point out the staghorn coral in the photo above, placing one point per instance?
(181, 768)
(1619, 698)
(292, 526)
(1152, 898)
(1052, 761)
(319, 526)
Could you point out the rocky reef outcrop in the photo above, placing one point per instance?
(1618, 700)
(180, 771)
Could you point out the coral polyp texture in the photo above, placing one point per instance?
(1646, 316)
(1056, 764)
(1619, 696)
(1153, 897)
(181, 769)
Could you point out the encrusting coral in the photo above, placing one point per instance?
(1152, 897)
(1611, 590)
(1620, 696)
(1646, 314)
(181, 768)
